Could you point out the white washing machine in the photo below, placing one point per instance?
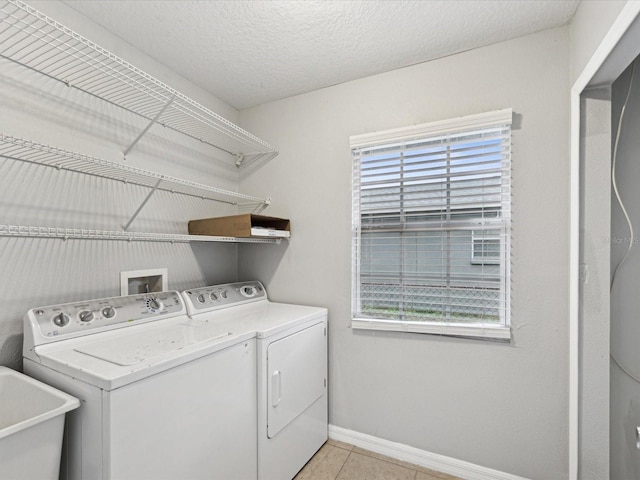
(162, 396)
(292, 369)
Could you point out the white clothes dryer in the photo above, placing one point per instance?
(291, 369)
(162, 396)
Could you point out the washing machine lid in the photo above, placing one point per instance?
(116, 358)
(139, 348)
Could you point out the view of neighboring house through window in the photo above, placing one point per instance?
(431, 227)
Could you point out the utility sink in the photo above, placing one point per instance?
(31, 426)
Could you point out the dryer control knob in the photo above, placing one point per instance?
(61, 319)
(214, 297)
(108, 312)
(248, 291)
(200, 298)
(86, 316)
(224, 294)
(154, 305)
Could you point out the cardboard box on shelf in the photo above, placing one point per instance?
(242, 226)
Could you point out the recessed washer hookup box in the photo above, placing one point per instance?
(242, 226)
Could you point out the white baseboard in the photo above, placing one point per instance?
(434, 461)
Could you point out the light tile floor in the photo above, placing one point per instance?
(341, 461)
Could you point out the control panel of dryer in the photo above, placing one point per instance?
(204, 299)
(71, 319)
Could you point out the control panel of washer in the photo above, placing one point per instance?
(220, 296)
(71, 318)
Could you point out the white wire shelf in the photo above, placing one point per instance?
(38, 153)
(87, 234)
(41, 154)
(39, 43)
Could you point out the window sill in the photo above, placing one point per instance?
(489, 332)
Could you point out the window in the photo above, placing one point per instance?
(485, 247)
(431, 227)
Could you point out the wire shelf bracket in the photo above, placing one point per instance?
(144, 202)
(146, 129)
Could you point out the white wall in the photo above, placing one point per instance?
(501, 406)
(37, 272)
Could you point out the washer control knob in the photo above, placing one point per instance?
(154, 305)
(213, 296)
(86, 316)
(61, 319)
(200, 298)
(248, 291)
(224, 294)
(108, 312)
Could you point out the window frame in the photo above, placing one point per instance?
(495, 331)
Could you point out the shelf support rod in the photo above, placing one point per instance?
(144, 202)
(261, 206)
(151, 124)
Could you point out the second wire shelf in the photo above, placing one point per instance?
(37, 153)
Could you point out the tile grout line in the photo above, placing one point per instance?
(343, 464)
(372, 455)
(364, 453)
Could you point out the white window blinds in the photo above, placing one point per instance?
(431, 225)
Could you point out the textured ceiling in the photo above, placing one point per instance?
(251, 52)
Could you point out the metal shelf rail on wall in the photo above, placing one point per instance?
(40, 44)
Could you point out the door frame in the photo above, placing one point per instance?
(617, 49)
